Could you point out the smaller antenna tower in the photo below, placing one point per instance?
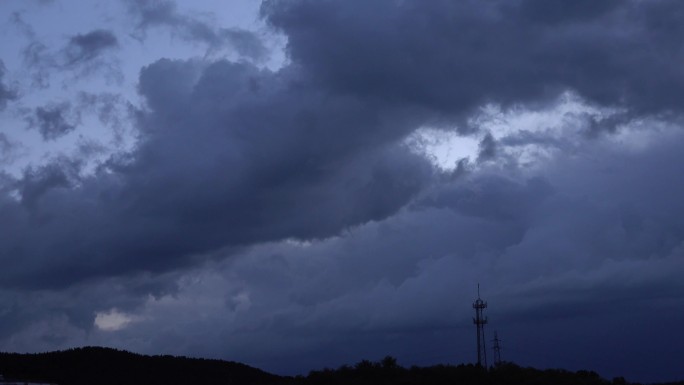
(497, 349)
(479, 305)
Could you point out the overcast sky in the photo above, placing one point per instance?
(296, 184)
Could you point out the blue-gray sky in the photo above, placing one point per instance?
(296, 184)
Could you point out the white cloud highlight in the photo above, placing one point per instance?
(113, 320)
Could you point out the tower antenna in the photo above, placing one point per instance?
(479, 305)
(497, 349)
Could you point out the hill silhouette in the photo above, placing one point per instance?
(105, 366)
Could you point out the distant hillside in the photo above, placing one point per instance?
(104, 366)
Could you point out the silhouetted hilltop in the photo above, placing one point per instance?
(104, 366)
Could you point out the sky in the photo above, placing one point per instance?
(299, 184)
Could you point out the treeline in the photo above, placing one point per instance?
(104, 366)
(387, 372)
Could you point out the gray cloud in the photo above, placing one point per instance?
(112, 110)
(82, 56)
(86, 47)
(36, 57)
(54, 120)
(60, 174)
(17, 19)
(8, 149)
(164, 13)
(7, 93)
(487, 148)
(245, 43)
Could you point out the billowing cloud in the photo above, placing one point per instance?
(250, 162)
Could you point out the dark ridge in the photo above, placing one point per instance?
(105, 366)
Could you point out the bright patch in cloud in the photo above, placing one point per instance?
(443, 148)
(524, 135)
(113, 320)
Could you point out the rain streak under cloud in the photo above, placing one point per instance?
(296, 184)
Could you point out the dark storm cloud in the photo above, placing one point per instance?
(347, 241)
(54, 120)
(552, 254)
(453, 56)
(231, 155)
(403, 286)
(163, 13)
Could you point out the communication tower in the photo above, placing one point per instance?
(479, 305)
(497, 349)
